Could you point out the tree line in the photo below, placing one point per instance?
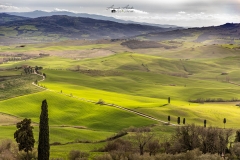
(188, 142)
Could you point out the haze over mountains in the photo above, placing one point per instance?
(4, 18)
(39, 13)
(17, 29)
(62, 26)
(226, 33)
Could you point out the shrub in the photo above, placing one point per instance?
(236, 149)
(77, 155)
(118, 145)
(104, 157)
(154, 147)
(26, 156)
(101, 102)
(8, 150)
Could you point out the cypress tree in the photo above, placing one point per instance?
(43, 141)
(224, 121)
(205, 123)
(178, 120)
(184, 121)
(169, 118)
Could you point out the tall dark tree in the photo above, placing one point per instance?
(169, 100)
(224, 121)
(184, 121)
(24, 135)
(205, 122)
(178, 120)
(43, 141)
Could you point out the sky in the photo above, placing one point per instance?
(187, 13)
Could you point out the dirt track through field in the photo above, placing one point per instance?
(108, 104)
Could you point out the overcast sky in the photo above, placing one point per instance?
(175, 12)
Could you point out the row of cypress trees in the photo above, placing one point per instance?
(184, 121)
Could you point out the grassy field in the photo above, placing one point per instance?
(66, 115)
(15, 83)
(14, 48)
(140, 80)
(64, 110)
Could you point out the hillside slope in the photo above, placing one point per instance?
(57, 27)
(227, 33)
(4, 18)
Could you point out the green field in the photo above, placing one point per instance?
(140, 80)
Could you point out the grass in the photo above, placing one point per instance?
(214, 113)
(65, 113)
(65, 110)
(29, 48)
(12, 84)
(28, 27)
(63, 151)
(62, 135)
(140, 80)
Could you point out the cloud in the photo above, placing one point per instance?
(181, 12)
(190, 19)
(60, 10)
(63, 10)
(8, 7)
(139, 11)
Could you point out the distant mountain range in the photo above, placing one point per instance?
(38, 13)
(17, 29)
(59, 27)
(227, 33)
(4, 18)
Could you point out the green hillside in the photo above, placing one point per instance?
(136, 79)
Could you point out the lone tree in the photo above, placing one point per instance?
(169, 100)
(224, 121)
(178, 120)
(184, 121)
(205, 122)
(142, 139)
(43, 141)
(169, 118)
(24, 135)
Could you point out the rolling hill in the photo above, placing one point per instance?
(61, 27)
(223, 34)
(39, 13)
(4, 18)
